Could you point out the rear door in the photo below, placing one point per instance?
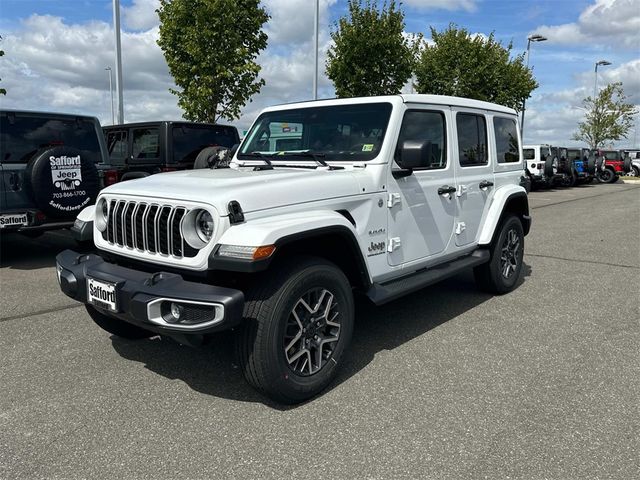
(474, 173)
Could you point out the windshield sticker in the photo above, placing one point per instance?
(66, 172)
(367, 147)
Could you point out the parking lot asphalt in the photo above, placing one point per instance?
(446, 383)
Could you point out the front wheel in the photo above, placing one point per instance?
(298, 323)
(502, 272)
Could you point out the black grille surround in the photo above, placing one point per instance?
(147, 227)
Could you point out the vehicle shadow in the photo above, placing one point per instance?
(23, 253)
(213, 369)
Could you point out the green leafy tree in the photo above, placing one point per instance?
(2, 90)
(371, 55)
(608, 117)
(211, 48)
(463, 65)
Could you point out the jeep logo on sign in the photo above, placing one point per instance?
(376, 248)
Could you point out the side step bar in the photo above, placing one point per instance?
(381, 293)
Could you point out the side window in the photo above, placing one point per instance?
(529, 154)
(506, 139)
(421, 126)
(472, 139)
(146, 143)
(117, 143)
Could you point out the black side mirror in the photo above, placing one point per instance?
(414, 154)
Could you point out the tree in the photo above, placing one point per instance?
(371, 55)
(608, 118)
(473, 66)
(2, 90)
(210, 47)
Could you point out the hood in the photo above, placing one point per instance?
(255, 190)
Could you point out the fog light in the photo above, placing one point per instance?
(176, 311)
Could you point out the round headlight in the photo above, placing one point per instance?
(102, 214)
(198, 228)
(204, 226)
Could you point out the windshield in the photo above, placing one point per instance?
(21, 136)
(340, 132)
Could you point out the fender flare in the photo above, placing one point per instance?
(285, 229)
(502, 197)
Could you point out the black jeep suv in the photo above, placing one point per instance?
(50, 166)
(140, 149)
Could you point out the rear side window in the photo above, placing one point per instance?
(421, 126)
(529, 154)
(472, 139)
(188, 140)
(506, 132)
(117, 143)
(22, 136)
(146, 143)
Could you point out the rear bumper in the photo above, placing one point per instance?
(37, 222)
(139, 295)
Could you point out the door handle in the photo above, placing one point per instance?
(484, 184)
(446, 189)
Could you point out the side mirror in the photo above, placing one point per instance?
(414, 154)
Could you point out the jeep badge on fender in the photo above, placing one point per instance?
(323, 200)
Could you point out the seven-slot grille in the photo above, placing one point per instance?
(147, 227)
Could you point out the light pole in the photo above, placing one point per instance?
(116, 30)
(531, 38)
(315, 50)
(595, 84)
(113, 117)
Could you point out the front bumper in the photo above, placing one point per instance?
(138, 295)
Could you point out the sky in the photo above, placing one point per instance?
(56, 52)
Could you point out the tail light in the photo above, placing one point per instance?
(168, 169)
(110, 177)
(540, 165)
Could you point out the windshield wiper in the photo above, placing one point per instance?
(268, 165)
(317, 157)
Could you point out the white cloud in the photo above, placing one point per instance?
(291, 21)
(613, 23)
(553, 117)
(141, 15)
(451, 5)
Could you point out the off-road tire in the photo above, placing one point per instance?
(119, 328)
(268, 309)
(635, 171)
(489, 276)
(607, 175)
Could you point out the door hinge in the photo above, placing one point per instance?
(460, 227)
(462, 189)
(393, 199)
(394, 244)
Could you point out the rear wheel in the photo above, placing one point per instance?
(607, 176)
(298, 324)
(119, 328)
(502, 272)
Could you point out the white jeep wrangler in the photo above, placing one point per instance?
(380, 196)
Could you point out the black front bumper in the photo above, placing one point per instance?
(135, 290)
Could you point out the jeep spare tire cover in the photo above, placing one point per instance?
(626, 164)
(62, 181)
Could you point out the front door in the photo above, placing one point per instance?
(474, 173)
(420, 219)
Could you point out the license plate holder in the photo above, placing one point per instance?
(14, 220)
(102, 294)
